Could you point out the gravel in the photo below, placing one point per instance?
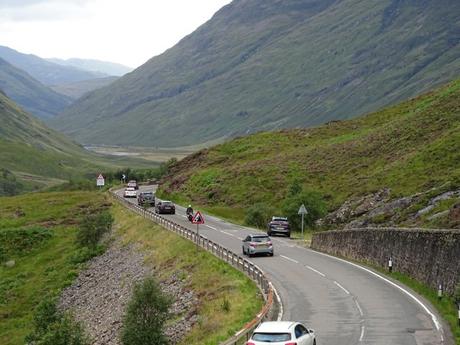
(99, 295)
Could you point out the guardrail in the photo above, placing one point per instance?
(237, 261)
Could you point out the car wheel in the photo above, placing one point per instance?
(314, 341)
(269, 233)
(244, 252)
(271, 254)
(288, 235)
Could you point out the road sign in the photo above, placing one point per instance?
(198, 218)
(303, 209)
(100, 181)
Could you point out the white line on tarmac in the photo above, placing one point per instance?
(316, 271)
(362, 334)
(359, 308)
(425, 308)
(340, 286)
(211, 227)
(287, 258)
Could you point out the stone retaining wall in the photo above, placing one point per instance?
(430, 256)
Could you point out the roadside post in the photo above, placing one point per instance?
(302, 211)
(197, 219)
(100, 181)
(439, 292)
(390, 265)
(123, 178)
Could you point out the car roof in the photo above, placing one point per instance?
(259, 235)
(279, 218)
(130, 188)
(276, 326)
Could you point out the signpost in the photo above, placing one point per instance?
(303, 211)
(197, 219)
(100, 181)
(123, 177)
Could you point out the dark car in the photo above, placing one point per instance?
(144, 198)
(165, 207)
(279, 225)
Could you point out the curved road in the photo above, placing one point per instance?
(344, 303)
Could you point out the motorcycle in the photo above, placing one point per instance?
(189, 214)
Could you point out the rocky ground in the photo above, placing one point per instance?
(101, 292)
(434, 208)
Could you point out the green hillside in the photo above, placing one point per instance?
(269, 64)
(397, 160)
(36, 156)
(33, 96)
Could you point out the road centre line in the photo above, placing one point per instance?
(359, 308)
(340, 286)
(211, 227)
(361, 337)
(287, 258)
(425, 308)
(316, 271)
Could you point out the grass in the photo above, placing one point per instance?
(410, 148)
(46, 262)
(227, 298)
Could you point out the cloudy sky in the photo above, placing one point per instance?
(124, 31)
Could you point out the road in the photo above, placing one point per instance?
(344, 303)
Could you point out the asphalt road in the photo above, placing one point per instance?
(346, 304)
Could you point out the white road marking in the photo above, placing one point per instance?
(316, 271)
(287, 258)
(340, 286)
(359, 308)
(211, 227)
(361, 337)
(280, 303)
(425, 308)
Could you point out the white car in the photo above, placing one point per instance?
(282, 333)
(130, 192)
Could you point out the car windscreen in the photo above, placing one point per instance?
(271, 337)
(147, 194)
(261, 239)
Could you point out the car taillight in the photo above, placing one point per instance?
(290, 344)
(249, 343)
(251, 244)
(269, 243)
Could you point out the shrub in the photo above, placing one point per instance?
(93, 227)
(314, 204)
(52, 327)
(18, 241)
(145, 315)
(259, 215)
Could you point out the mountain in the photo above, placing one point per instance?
(399, 166)
(34, 156)
(79, 88)
(29, 93)
(109, 68)
(46, 72)
(270, 64)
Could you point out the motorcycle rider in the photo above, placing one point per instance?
(189, 212)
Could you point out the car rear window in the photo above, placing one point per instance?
(271, 337)
(261, 239)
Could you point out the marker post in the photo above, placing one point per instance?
(390, 265)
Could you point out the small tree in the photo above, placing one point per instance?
(146, 314)
(93, 227)
(259, 215)
(314, 203)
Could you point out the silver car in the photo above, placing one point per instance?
(257, 244)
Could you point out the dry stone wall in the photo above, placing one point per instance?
(430, 256)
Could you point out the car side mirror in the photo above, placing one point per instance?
(311, 331)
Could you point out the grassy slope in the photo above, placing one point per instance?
(30, 93)
(47, 267)
(409, 148)
(28, 147)
(212, 280)
(275, 64)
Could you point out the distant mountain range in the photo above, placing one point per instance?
(46, 72)
(270, 64)
(109, 68)
(33, 96)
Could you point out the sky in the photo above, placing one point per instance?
(124, 31)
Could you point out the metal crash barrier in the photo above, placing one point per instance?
(237, 261)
